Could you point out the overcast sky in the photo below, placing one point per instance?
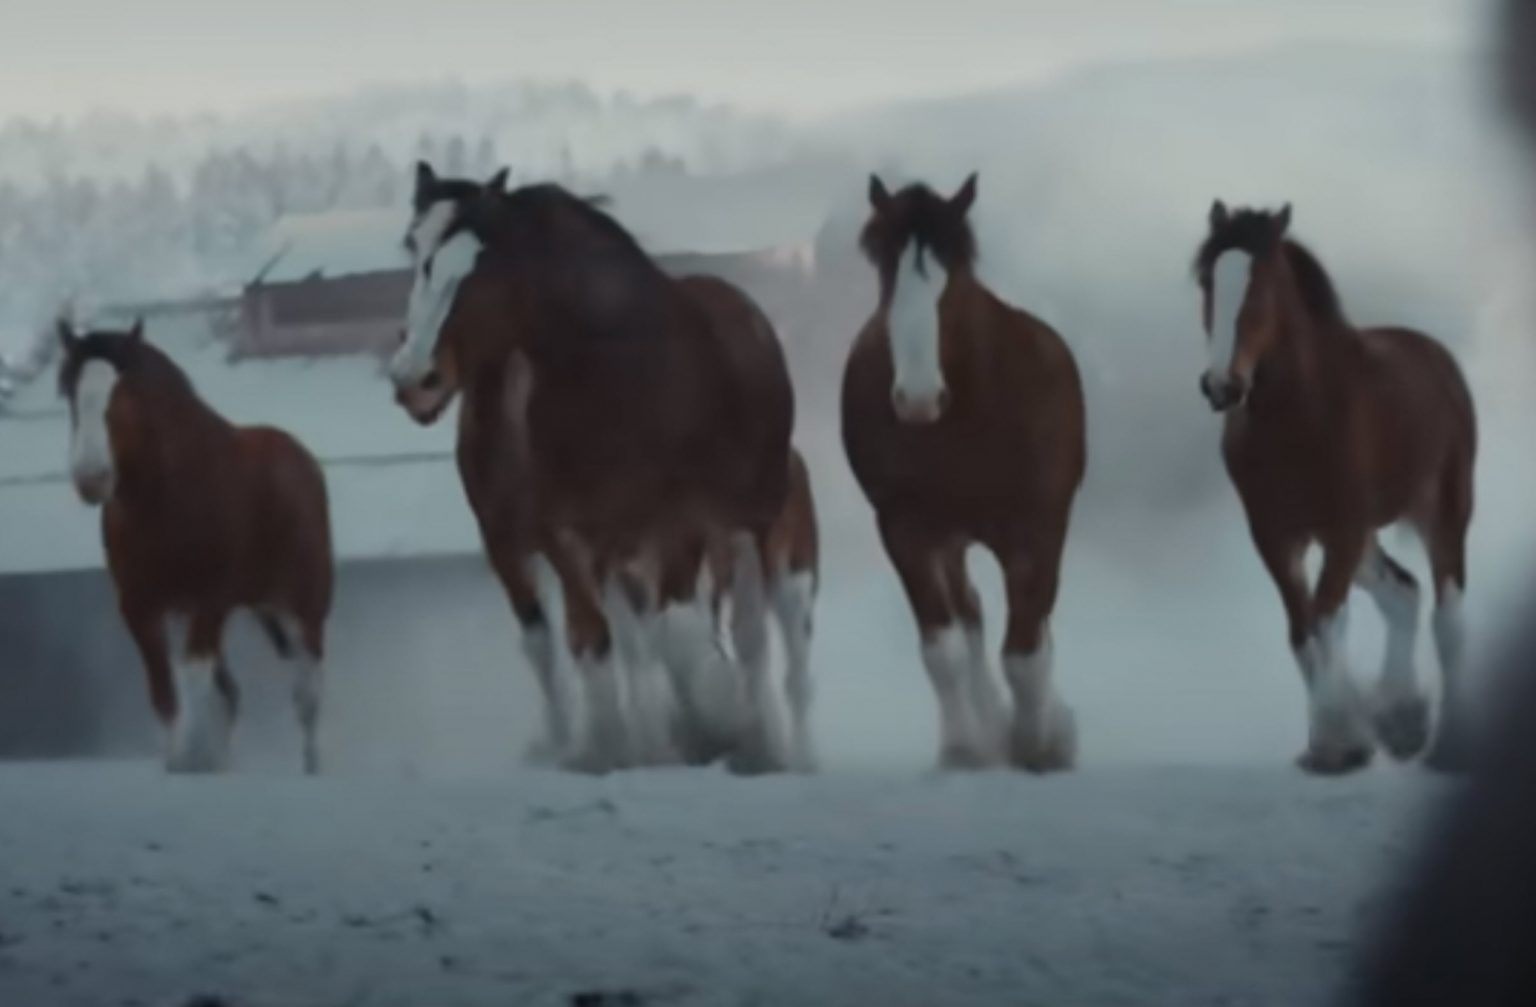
(798, 57)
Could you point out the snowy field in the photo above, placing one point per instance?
(1177, 887)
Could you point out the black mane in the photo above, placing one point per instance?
(1317, 290)
(130, 357)
(922, 216)
(536, 212)
(1253, 231)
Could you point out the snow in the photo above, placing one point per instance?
(1177, 887)
(338, 243)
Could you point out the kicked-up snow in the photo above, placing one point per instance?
(1158, 887)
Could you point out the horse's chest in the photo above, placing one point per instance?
(1278, 472)
(182, 549)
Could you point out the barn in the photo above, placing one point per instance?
(300, 346)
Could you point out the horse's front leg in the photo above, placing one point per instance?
(606, 744)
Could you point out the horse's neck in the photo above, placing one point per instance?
(493, 417)
(1308, 372)
(185, 445)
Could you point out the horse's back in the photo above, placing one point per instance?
(757, 399)
(291, 516)
(1421, 372)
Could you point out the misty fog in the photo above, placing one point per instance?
(1094, 189)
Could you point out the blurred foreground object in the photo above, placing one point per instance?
(1464, 932)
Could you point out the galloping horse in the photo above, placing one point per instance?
(655, 413)
(1331, 433)
(199, 517)
(963, 422)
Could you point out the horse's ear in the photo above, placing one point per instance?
(1218, 216)
(963, 199)
(497, 184)
(136, 333)
(1282, 221)
(66, 333)
(426, 178)
(879, 196)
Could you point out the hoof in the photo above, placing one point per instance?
(1334, 761)
(184, 766)
(1051, 751)
(750, 763)
(1451, 754)
(698, 747)
(1402, 727)
(542, 753)
(592, 762)
(963, 758)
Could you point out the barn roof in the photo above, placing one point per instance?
(669, 214)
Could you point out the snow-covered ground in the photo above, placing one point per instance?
(1177, 887)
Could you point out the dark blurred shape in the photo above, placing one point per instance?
(624, 998)
(1515, 64)
(1464, 934)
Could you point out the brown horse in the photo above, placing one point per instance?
(963, 422)
(199, 518)
(1332, 433)
(656, 414)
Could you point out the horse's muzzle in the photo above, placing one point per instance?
(919, 409)
(94, 488)
(424, 402)
(1225, 393)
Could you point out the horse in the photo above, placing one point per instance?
(199, 517)
(963, 422)
(657, 412)
(1331, 433)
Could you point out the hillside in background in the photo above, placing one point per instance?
(112, 207)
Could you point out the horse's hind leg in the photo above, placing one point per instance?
(918, 557)
(301, 641)
(309, 689)
(986, 699)
(1401, 713)
(200, 737)
(630, 605)
(764, 748)
(1044, 727)
(705, 682)
(793, 597)
(1447, 542)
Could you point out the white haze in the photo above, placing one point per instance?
(1094, 191)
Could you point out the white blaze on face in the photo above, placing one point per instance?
(913, 324)
(90, 447)
(1229, 289)
(439, 269)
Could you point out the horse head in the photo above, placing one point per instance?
(917, 240)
